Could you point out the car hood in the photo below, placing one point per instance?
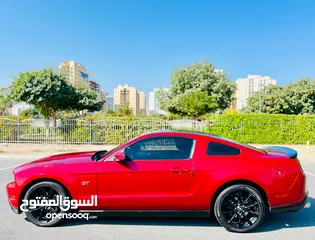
(69, 157)
(77, 157)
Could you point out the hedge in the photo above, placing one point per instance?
(264, 128)
(244, 128)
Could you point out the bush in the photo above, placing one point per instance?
(29, 113)
(8, 129)
(264, 128)
(244, 128)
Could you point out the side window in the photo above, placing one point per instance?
(218, 149)
(160, 148)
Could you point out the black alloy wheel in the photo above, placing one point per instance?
(44, 191)
(240, 208)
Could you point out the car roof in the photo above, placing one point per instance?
(182, 132)
(203, 134)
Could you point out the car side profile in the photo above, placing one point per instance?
(168, 173)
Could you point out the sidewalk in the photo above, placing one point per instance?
(13, 150)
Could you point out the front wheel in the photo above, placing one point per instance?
(240, 208)
(42, 215)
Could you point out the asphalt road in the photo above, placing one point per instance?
(299, 225)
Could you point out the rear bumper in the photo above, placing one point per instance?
(292, 208)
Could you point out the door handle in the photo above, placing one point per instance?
(178, 170)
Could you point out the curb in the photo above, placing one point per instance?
(22, 157)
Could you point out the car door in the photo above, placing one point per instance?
(155, 175)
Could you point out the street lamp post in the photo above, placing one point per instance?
(260, 100)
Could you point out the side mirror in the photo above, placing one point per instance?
(119, 157)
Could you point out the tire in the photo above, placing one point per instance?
(44, 188)
(240, 208)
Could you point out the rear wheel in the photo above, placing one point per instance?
(42, 215)
(240, 208)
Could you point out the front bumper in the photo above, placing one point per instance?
(13, 197)
(15, 210)
(305, 203)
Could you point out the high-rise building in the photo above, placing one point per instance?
(246, 87)
(93, 85)
(126, 95)
(152, 101)
(154, 107)
(75, 73)
(109, 103)
(142, 103)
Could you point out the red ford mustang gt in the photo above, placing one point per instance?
(167, 173)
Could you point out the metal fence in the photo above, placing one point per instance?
(73, 131)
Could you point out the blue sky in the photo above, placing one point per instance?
(140, 42)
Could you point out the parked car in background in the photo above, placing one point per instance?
(171, 173)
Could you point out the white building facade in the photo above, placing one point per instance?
(154, 107)
(17, 108)
(109, 103)
(246, 87)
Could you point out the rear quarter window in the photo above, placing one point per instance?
(218, 149)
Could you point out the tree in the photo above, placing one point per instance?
(5, 101)
(51, 94)
(297, 98)
(199, 77)
(195, 104)
(300, 96)
(272, 100)
(124, 110)
(88, 100)
(110, 112)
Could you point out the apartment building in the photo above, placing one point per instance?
(127, 95)
(246, 87)
(142, 103)
(75, 73)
